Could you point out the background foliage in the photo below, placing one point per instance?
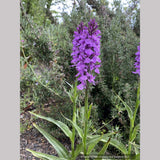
(46, 39)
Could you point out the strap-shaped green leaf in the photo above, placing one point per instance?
(119, 146)
(79, 130)
(92, 143)
(103, 150)
(61, 150)
(130, 113)
(134, 133)
(89, 111)
(94, 139)
(60, 124)
(136, 149)
(79, 148)
(116, 144)
(44, 156)
(138, 156)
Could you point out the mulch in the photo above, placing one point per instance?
(34, 140)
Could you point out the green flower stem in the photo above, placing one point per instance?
(51, 90)
(133, 120)
(137, 103)
(86, 119)
(74, 118)
(130, 135)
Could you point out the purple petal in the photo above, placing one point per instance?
(97, 70)
(80, 86)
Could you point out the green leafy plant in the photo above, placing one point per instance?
(46, 42)
(134, 130)
(40, 85)
(90, 141)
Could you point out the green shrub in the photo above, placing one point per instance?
(36, 85)
(118, 46)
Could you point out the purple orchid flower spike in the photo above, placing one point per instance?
(86, 49)
(137, 63)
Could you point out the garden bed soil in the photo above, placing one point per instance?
(34, 140)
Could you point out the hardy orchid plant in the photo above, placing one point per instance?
(133, 150)
(86, 51)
